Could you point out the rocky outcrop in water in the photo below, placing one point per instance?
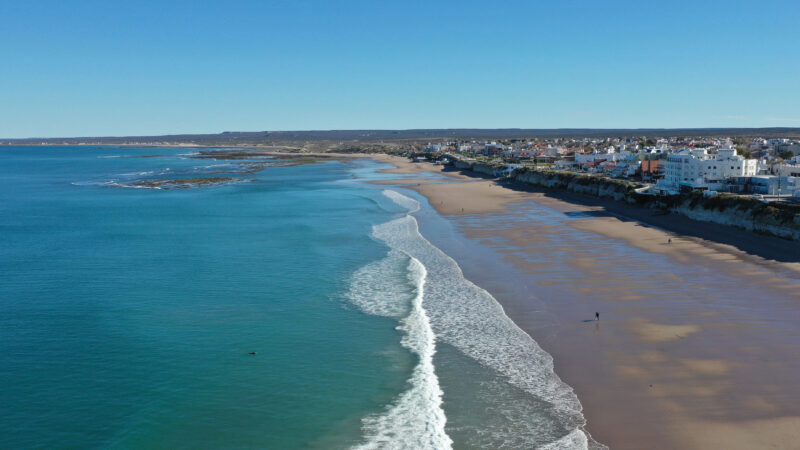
(183, 183)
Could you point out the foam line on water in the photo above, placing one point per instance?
(375, 288)
(469, 318)
(402, 200)
(416, 418)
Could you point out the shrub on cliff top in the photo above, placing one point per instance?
(757, 209)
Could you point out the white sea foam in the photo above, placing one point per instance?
(214, 167)
(109, 183)
(416, 419)
(470, 319)
(575, 439)
(128, 186)
(376, 291)
(137, 174)
(406, 202)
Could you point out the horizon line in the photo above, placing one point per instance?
(572, 130)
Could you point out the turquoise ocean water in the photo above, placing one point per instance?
(128, 315)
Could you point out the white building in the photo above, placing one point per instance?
(757, 144)
(565, 164)
(610, 155)
(774, 185)
(774, 142)
(433, 148)
(789, 169)
(698, 168)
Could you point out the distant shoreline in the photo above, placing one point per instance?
(331, 139)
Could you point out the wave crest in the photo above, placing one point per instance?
(471, 320)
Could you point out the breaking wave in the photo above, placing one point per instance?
(452, 310)
(415, 419)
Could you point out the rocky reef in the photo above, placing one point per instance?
(182, 183)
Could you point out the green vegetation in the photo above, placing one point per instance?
(744, 152)
(782, 212)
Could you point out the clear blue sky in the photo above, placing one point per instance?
(77, 68)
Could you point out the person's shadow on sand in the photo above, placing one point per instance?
(596, 318)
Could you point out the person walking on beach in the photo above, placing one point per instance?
(597, 316)
(669, 241)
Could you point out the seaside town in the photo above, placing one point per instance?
(766, 169)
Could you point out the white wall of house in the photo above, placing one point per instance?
(789, 169)
(583, 158)
(698, 167)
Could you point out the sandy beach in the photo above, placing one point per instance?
(698, 345)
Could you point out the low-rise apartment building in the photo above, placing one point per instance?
(699, 168)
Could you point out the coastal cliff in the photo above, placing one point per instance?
(581, 184)
(782, 220)
(483, 168)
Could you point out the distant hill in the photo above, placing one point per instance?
(237, 138)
